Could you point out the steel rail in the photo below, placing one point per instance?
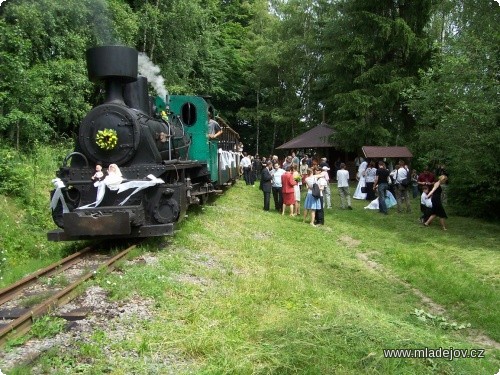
(22, 325)
(8, 293)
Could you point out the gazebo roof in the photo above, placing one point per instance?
(378, 152)
(319, 136)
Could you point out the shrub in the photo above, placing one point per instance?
(14, 174)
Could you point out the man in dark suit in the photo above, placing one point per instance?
(265, 184)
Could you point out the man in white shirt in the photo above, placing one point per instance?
(246, 165)
(276, 183)
(327, 192)
(402, 186)
(343, 186)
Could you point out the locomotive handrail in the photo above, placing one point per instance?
(76, 153)
(184, 146)
(169, 141)
(187, 145)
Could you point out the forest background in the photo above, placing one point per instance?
(422, 73)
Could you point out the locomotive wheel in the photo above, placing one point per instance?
(167, 212)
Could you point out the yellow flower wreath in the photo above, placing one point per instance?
(106, 139)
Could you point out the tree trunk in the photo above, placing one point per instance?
(257, 123)
(145, 33)
(153, 42)
(274, 135)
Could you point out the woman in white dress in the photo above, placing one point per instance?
(361, 181)
(390, 201)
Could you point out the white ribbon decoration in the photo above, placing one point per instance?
(58, 196)
(121, 187)
(138, 185)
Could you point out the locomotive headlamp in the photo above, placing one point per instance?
(106, 139)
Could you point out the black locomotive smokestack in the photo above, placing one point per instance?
(136, 95)
(115, 65)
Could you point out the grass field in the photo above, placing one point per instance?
(241, 291)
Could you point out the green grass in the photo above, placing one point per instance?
(47, 326)
(25, 215)
(241, 291)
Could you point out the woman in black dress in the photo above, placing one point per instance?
(437, 205)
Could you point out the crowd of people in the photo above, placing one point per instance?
(384, 186)
(286, 181)
(399, 182)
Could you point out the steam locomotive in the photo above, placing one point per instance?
(167, 162)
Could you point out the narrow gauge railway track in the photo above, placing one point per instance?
(16, 320)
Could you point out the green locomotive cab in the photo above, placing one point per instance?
(220, 155)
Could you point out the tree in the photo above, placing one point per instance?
(14, 60)
(46, 91)
(371, 53)
(283, 48)
(258, 112)
(194, 43)
(456, 108)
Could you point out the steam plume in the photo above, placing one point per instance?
(152, 73)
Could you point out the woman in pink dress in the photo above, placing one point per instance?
(287, 190)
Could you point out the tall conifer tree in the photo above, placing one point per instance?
(373, 51)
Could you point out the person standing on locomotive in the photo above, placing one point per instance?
(214, 129)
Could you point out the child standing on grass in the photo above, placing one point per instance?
(425, 205)
(303, 172)
(298, 178)
(343, 186)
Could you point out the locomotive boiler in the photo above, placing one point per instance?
(166, 163)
